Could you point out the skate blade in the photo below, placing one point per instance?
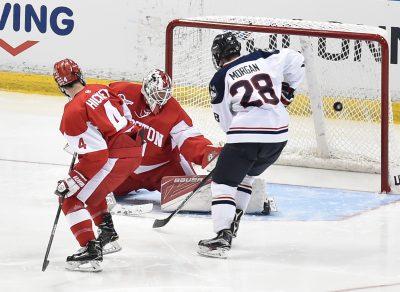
(213, 253)
(89, 266)
(111, 247)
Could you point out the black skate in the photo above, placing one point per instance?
(86, 259)
(217, 246)
(235, 223)
(108, 236)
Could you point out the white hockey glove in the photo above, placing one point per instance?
(287, 95)
(70, 185)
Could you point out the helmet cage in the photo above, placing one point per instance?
(156, 89)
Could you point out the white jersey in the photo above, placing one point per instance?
(245, 95)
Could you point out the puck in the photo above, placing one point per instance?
(338, 106)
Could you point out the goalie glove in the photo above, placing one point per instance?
(287, 95)
(210, 156)
(70, 185)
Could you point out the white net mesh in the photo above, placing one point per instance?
(338, 71)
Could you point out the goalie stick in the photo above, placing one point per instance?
(162, 222)
(53, 231)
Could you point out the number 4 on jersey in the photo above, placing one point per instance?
(81, 144)
(116, 119)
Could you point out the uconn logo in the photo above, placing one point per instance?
(28, 18)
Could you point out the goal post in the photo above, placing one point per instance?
(360, 82)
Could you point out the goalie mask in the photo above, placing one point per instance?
(223, 46)
(156, 89)
(67, 72)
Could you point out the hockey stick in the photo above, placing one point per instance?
(162, 222)
(53, 231)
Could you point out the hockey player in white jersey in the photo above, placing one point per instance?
(249, 95)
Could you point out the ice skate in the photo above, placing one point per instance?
(108, 236)
(86, 259)
(217, 246)
(235, 223)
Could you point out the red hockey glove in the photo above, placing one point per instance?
(287, 95)
(211, 154)
(71, 185)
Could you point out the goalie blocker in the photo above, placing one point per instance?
(174, 189)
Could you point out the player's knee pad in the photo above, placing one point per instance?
(221, 190)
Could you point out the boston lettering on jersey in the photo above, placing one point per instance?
(152, 135)
(246, 69)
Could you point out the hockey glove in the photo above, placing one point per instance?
(210, 156)
(287, 94)
(71, 185)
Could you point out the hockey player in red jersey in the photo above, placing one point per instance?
(109, 148)
(172, 141)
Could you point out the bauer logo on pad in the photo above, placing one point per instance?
(174, 189)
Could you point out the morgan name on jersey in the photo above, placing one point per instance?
(246, 69)
(245, 95)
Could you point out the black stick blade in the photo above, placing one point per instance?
(160, 222)
(45, 264)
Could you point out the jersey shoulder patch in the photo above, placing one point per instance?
(217, 87)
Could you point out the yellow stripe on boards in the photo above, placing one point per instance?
(35, 83)
(357, 109)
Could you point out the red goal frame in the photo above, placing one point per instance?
(385, 185)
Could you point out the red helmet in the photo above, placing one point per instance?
(66, 72)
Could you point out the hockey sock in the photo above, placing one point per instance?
(79, 220)
(97, 212)
(243, 193)
(223, 206)
(242, 197)
(222, 212)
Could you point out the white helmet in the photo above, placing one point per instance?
(157, 89)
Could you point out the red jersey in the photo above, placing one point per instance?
(91, 122)
(170, 134)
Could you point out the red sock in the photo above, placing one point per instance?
(83, 232)
(97, 212)
(79, 220)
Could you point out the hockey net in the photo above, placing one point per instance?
(346, 65)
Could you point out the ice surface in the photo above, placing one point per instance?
(360, 253)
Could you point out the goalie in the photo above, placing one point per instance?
(173, 143)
